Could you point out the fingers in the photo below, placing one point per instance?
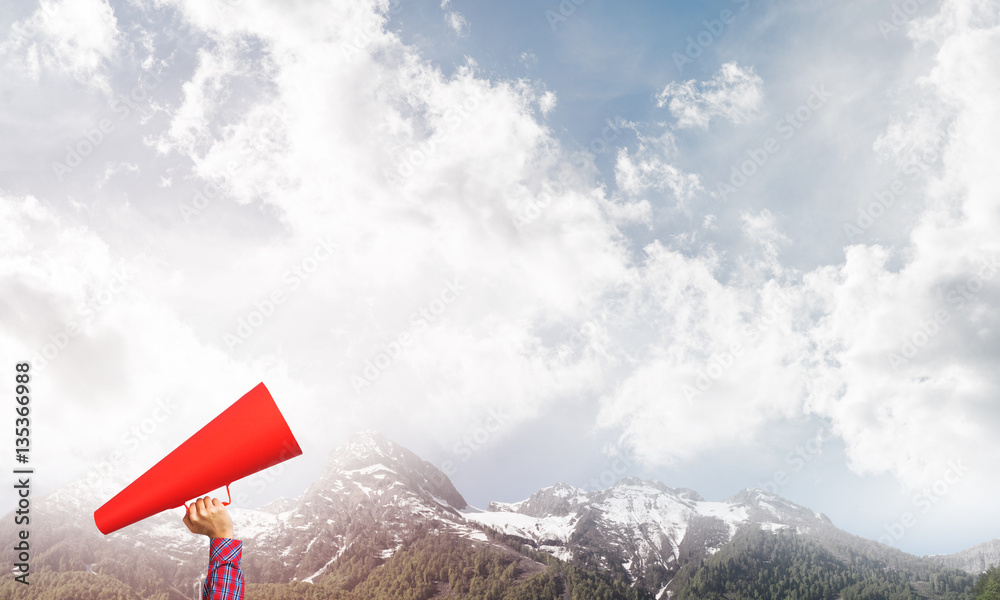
(205, 508)
(208, 516)
(187, 518)
(199, 510)
(201, 506)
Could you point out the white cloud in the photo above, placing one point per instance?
(317, 124)
(894, 346)
(905, 350)
(81, 312)
(75, 37)
(649, 168)
(719, 361)
(547, 102)
(762, 229)
(457, 22)
(734, 93)
(418, 177)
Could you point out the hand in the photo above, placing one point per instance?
(208, 516)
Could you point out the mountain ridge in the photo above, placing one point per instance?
(373, 496)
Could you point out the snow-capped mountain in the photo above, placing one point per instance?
(640, 527)
(373, 494)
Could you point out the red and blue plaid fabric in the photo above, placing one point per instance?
(225, 578)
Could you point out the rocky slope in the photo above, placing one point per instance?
(974, 560)
(372, 494)
(640, 528)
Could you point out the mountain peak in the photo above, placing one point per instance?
(564, 489)
(658, 486)
(368, 435)
(754, 496)
(366, 448)
(371, 440)
(765, 506)
(367, 452)
(560, 499)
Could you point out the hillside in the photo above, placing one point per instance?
(379, 522)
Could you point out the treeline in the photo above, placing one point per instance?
(433, 564)
(782, 565)
(78, 585)
(756, 565)
(74, 568)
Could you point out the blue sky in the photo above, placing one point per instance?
(719, 244)
(606, 63)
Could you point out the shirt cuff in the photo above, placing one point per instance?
(225, 550)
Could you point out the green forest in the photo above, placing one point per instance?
(761, 565)
(756, 565)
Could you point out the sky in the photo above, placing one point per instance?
(719, 244)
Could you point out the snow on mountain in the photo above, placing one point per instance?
(639, 525)
(559, 499)
(372, 494)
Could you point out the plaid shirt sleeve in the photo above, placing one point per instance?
(225, 578)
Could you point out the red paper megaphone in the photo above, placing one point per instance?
(249, 436)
